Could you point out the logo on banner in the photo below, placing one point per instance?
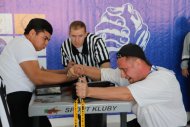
(122, 25)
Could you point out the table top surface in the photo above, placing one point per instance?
(63, 105)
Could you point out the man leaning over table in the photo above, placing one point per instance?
(21, 71)
(155, 90)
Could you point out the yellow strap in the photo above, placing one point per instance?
(82, 113)
(76, 113)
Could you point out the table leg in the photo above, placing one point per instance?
(123, 119)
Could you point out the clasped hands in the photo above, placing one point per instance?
(76, 70)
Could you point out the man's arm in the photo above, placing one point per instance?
(185, 56)
(93, 73)
(107, 93)
(40, 77)
(63, 71)
(79, 70)
(110, 93)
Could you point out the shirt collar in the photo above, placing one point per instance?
(84, 49)
(153, 68)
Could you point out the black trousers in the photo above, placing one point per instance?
(133, 123)
(18, 103)
(95, 120)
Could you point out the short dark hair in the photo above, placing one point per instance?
(76, 25)
(38, 24)
(132, 50)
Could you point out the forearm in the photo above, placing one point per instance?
(110, 93)
(48, 78)
(63, 71)
(41, 77)
(92, 72)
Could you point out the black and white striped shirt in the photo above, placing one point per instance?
(94, 52)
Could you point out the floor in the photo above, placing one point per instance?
(112, 120)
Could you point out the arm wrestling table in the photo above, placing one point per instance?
(63, 105)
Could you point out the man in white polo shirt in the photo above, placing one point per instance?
(155, 90)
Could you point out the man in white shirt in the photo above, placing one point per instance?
(155, 90)
(21, 72)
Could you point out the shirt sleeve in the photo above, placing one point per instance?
(186, 52)
(64, 53)
(114, 76)
(101, 52)
(24, 51)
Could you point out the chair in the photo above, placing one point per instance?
(5, 119)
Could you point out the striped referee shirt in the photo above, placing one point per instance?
(94, 52)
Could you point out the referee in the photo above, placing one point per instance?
(86, 49)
